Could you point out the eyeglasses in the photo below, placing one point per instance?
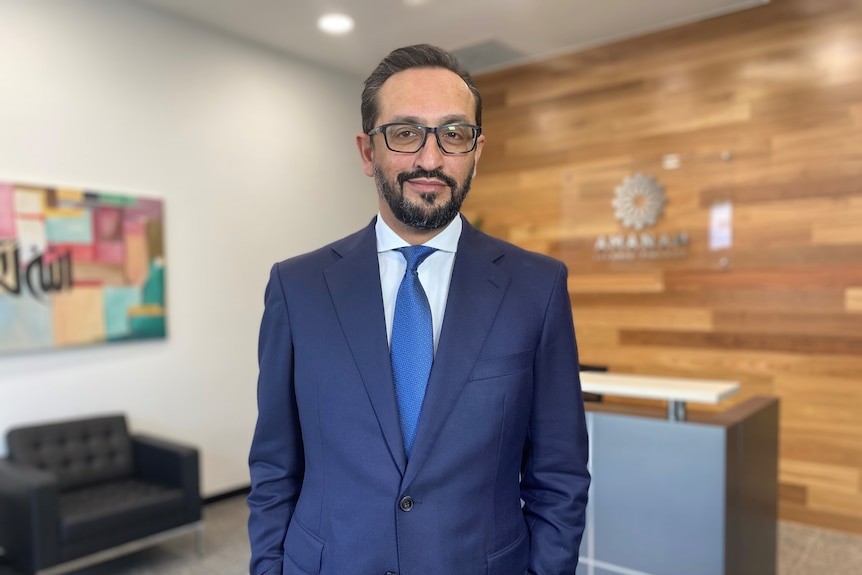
(409, 138)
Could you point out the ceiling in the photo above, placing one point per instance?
(484, 34)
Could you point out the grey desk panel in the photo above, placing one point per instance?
(658, 496)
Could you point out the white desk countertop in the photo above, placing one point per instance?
(665, 388)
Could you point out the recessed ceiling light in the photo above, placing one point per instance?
(335, 23)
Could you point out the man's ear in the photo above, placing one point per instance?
(366, 152)
(480, 143)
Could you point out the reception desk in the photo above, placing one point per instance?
(675, 491)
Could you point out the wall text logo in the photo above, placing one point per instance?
(638, 203)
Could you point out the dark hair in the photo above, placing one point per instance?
(418, 56)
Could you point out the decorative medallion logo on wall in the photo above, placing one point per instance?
(638, 203)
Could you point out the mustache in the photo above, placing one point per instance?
(433, 174)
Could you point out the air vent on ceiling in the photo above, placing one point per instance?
(486, 56)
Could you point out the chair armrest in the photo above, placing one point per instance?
(30, 513)
(169, 463)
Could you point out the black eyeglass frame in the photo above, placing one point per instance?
(381, 129)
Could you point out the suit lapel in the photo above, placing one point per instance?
(475, 293)
(354, 285)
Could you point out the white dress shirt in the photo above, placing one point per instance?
(435, 272)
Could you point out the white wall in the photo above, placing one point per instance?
(254, 156)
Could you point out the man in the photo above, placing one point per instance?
(430, 426)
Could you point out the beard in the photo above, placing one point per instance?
(429, 215)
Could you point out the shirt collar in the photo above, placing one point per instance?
(445, 241)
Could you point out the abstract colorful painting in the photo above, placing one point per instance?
(79, 267)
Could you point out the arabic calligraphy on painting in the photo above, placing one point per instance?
(79, 267)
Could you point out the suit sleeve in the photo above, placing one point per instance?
(555, 477)
(276, 462)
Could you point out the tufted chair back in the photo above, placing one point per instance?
(79, 453)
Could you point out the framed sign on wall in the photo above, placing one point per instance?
(79, 267)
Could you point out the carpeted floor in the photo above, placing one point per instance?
(802, 550)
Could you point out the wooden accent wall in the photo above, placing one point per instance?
(764, 110)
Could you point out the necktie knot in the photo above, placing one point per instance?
(415, 255)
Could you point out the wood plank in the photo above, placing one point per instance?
(828, 300)
(794, 343)
(765, 216)
(821, 324)
(691, 319)
(842, 521)
(841, 390)
(832, 500)
(792, 493)
(753, 370)
(759, 192)
(767, 278)
(595, 336)
(787, 256)
(816, 475)
(647, 282)
(803, 446)
(842, 228)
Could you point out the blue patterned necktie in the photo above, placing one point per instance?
(412, 345)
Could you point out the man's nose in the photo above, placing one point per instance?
(430, 156)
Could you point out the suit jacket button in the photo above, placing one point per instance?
(391, 573)
(406, 503)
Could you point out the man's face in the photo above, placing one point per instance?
(422, 191)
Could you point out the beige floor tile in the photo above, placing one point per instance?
(831, 553)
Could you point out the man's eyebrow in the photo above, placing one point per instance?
(406, 120)
(453, 119)
(458, 119)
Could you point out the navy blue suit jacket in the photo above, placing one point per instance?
(503, 422)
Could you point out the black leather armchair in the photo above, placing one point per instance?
(78, 492)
